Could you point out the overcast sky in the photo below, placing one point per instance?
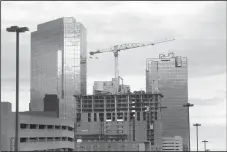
(199, 29)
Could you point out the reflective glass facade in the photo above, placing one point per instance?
(169, 76)
(58, 63)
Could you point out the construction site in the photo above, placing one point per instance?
(113, 114)
(115, 118)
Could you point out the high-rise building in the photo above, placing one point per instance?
(169, 76)
(58, 64)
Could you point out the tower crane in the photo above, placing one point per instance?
(117, 48)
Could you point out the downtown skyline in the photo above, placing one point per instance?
(205, 64)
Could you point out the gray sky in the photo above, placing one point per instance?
(199, 29)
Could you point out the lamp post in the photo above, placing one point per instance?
(17, 30)
(188, 105)
(0, 105)
(197, 125)
(204, 141)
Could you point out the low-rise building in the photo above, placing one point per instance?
(172, 143)
(38, 131)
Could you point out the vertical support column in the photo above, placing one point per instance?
(115, 110)
(104, 117)
(129, 121)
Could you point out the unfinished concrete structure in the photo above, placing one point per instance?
(119, 118)
(110, 87)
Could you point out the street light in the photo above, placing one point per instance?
(197, 125)
(205, 141)
(188, 105)
(0, 106)
(17, 30)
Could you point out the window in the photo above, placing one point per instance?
(144, 116)
(119, 115)
(41, 139)
(131, 116)
(33, 139)
(23, 126)
(95, 117)
(89, 117)
(70, 128)
(101, 117)
(108, 116)
(113, 117)
(156, 97)
(138, 116)
(125, 118)
(50, 138)
(78, 117)
(70, 139)
(50, 127)
(57, 127)
(33, 126)
(63, 127)
(41, 126)
(23, 140)
(57, 139)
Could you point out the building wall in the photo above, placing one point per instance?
(36, 132)
(58, 63)
(171, 77)
(172, 143)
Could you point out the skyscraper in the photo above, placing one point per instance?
(58, 63)
(169, 76)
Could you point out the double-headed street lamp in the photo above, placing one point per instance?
(188, 105)
(17, 30)
(204, 141)
(197, 125)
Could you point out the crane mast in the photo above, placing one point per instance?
(117, 48)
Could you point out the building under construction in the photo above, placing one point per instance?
(125, 117)
(110, 87)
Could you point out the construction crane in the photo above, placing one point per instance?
(117, 48)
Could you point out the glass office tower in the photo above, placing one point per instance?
(169, 76)
(58, 63)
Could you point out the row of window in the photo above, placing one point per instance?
(37, 126)
(119, 116)
(96, 146)
(60, 149)
(172, 146)
(44, 139)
